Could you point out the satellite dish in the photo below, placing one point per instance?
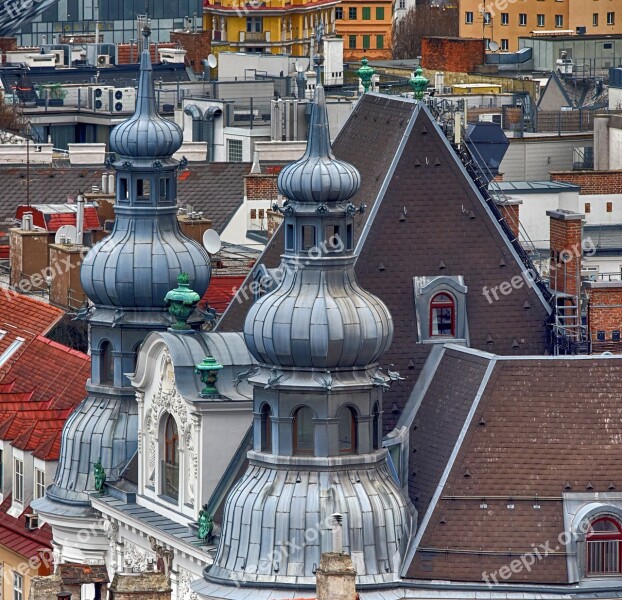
(67, 234)
(300, 68)
(212, 61)
(493, 46)
(211, 241)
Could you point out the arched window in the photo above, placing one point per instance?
(106, 363)
(442, 315)
(603, 547)
(136, 351)
(171, 459)
(266, 429)
(303, 431)
(375, 429)
(347, 430)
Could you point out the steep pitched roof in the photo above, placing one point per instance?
(15, 536)
(424, 217)
(512, 449)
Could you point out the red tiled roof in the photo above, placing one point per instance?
(53, 216)
(49, 449)
(221, 290)
(15, 536)
(63, 378)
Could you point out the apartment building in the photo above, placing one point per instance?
(365, 26)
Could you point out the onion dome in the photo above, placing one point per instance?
(319, 320)
(318, 176)
(146, 134)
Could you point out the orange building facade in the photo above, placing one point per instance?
(365, 26)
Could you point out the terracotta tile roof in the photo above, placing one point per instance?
(15, 536)
(221, 291)
(53, 216)
(446, 223)
(518, 447)
(49, 449)
(63, 378)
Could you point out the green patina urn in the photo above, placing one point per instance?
(365, 72)
(419, 83)
(208, 369)
(181, 303)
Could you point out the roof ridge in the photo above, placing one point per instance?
(60, 346)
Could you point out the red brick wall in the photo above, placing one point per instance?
(565, 254)
(125, 52)
(452, 54)
(605, 314)
(592, 182)
(260, 187)
(511, 214)
(197, 46)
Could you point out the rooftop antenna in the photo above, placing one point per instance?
(318, 59)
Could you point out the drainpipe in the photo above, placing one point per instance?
(197, 124)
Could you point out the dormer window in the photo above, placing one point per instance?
(603, 547)
(171, 459)
(442, 316)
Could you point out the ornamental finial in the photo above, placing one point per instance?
(181, 302)
(365, 72)
(419, 83)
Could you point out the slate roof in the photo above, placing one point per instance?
(217, 189)
(579, 93)
(408, 166)
(497, 459)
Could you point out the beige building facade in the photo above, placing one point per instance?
(504, 21)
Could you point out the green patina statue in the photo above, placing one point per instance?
(208, 371)
(100, 476)
(206, 525)
(181, 303)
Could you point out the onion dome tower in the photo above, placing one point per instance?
(126, 276)
(317, 451)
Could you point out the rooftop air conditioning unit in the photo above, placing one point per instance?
(491, 118)
(590, 273)
(103, 60)
(99, 97)
(124, 99)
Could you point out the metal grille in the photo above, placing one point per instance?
(603, 557)
(235, 150)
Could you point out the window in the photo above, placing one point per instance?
(123, 189)
(505, 18)
(266, 429)
(505, 44)
(347, 430)
(595, 19)
(18, 482)
(234, 152)
(375, 429)
(39, 483)
(522, 19)
(611, 18)
(171, 459)
(603, 547)
(559, 20)
(15, 344)
(352, 42)
(303, 431)
(380, 42)
(143, 189)
(289, 237)
(18, 586)
(442, 315)
(308, 237)
(541, 20)
(379, 13)
(609, 206)
(106, 363)
(468, 17)
(402, 4)
(366, 42)
(352, 14)
(366, 13)
(349, 237)
(588, 207)
(254, 24)
(487, 18)
(165, 188)
(339, 12)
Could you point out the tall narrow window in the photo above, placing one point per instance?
(106, 364)
(347, 430)
(18, 481)
(18, 586)
(171, 459)
(375, 430)
(303, 431)
(266, 429)
(442, 315)
(1, 470)
(603, 547)
(39, 483)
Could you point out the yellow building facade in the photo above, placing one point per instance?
(268, 26)
(365, 26)
(504, 21)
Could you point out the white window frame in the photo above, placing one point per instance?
(522, 19)
(611, 18)
(468, 17)
(18, 586)
(39, 490)
(559, 20)
(541, 18)
(15, 344)
(18, 480)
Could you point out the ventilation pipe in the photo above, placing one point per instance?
(337, 532)
(111, 183)
(80, 220)
(27, 221)
(193, 111)
(209, 118)
(104, 183)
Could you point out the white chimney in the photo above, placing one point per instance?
(337, 533)
(27, 221)
(111, 189)
(80, 220)
(104, 183)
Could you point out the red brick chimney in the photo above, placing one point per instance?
(566, 229)
(510, 211)
(604, 315)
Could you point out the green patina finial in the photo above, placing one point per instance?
(100, 476)
(206, 525)
(181, 302)
(365, 73)
(419, 83)
(208, 370)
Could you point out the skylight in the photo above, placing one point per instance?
(15, 344)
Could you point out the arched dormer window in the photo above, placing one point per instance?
(266, 428)
(375, 429)
(106, 363)
(347, 430)
(442, 315)
(170, 485)
(303, 431)
(603, 547)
